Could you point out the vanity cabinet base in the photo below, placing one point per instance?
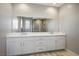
(28, 45)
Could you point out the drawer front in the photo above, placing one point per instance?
(44, 44)
(40, 49)
(43, 48)
(62, 37)
(46, 41)
(40, 43)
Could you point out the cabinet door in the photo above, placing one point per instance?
(13, 46)
(51, 43)
(28, 45)
(60, 42)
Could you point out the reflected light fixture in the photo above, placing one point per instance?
(38, 22)
(50, 10)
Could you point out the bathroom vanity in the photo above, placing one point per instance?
(27, 43)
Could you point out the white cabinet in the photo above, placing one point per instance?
(60, 42)
(13, 46)
(33, 44)
(44, 44)
(28, 45)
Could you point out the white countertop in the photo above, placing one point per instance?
(24, 34)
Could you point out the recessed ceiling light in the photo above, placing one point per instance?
(23, 6)
(54, 3)
(50, 10)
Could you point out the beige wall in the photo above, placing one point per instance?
(69, 23)
(5, 25)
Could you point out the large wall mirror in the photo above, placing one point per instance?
(29, 24)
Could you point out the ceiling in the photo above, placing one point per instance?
(52, 4)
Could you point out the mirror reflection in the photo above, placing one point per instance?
(30, 24)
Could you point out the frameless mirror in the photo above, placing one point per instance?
(30, 24)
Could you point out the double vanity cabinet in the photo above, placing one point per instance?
(27, 44)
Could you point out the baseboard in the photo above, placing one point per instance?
(75, 54)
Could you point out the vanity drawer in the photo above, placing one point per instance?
(40, 49)
(44, 41)
(43, 48)
(45, 45)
